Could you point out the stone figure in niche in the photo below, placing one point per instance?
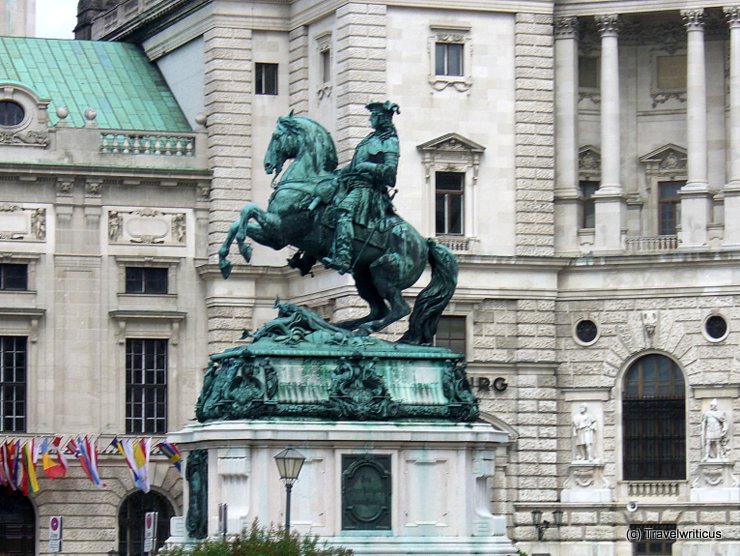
(714, 433)
(114, 225)
(368, 178)
(38, 223)
(584, 428)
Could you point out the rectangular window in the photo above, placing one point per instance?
(325, 66)
(13, 276)
(13, 377)
(266, 79)
(669, 207)
(448, 59)
(146, 386)
(588, 72)
(449, 198)
(655, 539)
(451, 334)
(151, 280)
(588, 188)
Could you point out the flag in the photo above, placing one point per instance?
(17, 466)
(53, 470)
(86, 452)
(124, 447)
(61, 447)
(3, 472)
(8, 469)
(172, 452)
(30, 483)
(142, 450)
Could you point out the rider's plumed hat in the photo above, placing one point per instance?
(386, 107)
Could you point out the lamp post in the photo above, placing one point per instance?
(289, 463)
(557, 516)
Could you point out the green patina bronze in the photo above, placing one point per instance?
(298, 365)
(345, 219)
(196, 473)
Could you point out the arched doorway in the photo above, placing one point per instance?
(17, 525)
(131, 521)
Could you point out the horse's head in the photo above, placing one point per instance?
(300, 138)
(283, 145)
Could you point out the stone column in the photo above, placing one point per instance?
(609, 203)
(695, 197)
(732, 188)
(567, 195)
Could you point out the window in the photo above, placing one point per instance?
(266, 79)
(654, 421)
(451, 334)
(13, 276)
(13, 373)
(325, 56)
(652, 539)
(146, 386)
(131, 521)
(669, 207)
(588, 216)
(449, 192)
(11, 113)
(448, 59)
(151, 280)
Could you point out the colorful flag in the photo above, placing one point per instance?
(61, 447)
(172, 452)
(86, 452)
(142, 449)
(53, 470)
(124, 447)
(3, 472)
(30, 483)
(8, 464)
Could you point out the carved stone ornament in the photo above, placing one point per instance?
(19, 223)
(589, 161)
(716, 475)
(693, 19)
(732, 16)
(566, 27)
(608, 25)
(146, 226)
(650, 322)
(25, 138)
(585, 475)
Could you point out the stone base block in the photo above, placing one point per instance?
(420, 487)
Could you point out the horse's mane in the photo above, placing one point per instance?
(324, 151)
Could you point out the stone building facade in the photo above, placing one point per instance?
(581, 159)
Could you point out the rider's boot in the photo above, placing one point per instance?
(341, 258)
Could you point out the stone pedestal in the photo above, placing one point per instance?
(424, 485)
(586, 483)
(715, 482)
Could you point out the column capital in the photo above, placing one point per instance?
(566, 27)
(693, 19)
(608, 25)
(732, 16)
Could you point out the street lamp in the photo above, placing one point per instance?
(557, 516)
(289, 463)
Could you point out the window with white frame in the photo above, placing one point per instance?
(451, 164)
(450, 58)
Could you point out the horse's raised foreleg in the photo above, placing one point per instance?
(223, 262)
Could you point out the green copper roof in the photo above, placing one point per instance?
(114, 78)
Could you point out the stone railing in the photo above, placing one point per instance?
(123, 12)
(654, 488)
(651, 244)
(457, 244)
(137, 143)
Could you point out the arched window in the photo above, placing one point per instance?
(654, 420)
(17, 524)
(131, 521)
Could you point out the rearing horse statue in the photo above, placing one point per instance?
(388, 256)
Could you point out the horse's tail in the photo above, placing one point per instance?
(434, 298)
